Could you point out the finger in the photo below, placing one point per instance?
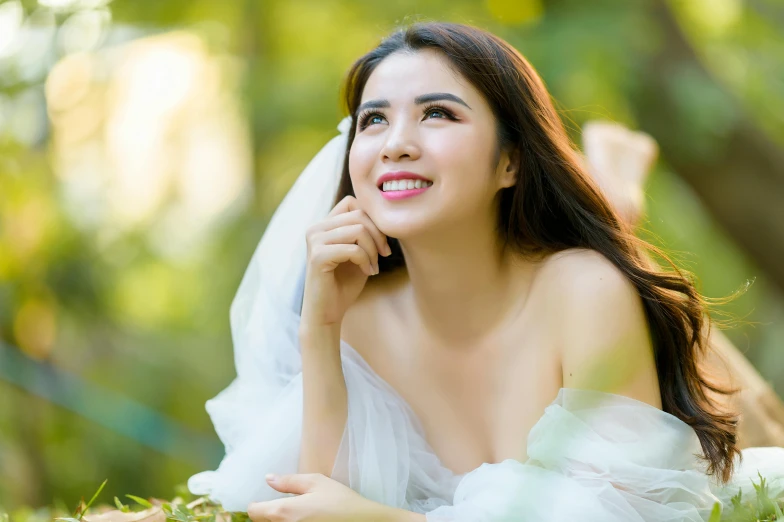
(269, 511)
(350, 205)
(347, 204)
(328, 257)
(360, 216)
(297, 483)
(356, 233)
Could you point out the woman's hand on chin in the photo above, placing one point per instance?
(319, 499)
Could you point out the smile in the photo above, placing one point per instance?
(404, 188)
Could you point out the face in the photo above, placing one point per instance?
(420, 118)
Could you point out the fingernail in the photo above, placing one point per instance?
(375, 268)
(270, 477)
(388, 250)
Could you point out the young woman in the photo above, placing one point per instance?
(471, 333)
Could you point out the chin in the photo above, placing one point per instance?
(402, 229)
(399, 221)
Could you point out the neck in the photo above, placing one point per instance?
(462, 282)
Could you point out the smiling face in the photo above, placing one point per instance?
(419, 116)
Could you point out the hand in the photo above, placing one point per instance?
(343, 252)
(320, 499)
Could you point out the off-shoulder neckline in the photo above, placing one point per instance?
(563, 389)
(561, 392)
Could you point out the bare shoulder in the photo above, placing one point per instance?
(581, 272)
(604, 340)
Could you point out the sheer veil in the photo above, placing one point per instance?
(264, 319)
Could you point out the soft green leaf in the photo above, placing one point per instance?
(140, 501)
(715, 515)
(777, 511)
(122, 507)
(94, 496)
(239, 516)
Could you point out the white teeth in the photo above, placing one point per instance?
(404, 184)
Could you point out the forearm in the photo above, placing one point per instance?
(325, 399)
(401, 515)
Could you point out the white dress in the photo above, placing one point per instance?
(610, 457)
(593, 457)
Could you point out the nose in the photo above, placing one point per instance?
(402, 141)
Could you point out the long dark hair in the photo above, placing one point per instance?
(555, 205)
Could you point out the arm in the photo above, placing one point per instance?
(401, 515)
(606, 344)
(325, 408)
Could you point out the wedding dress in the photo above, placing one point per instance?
(592, 456)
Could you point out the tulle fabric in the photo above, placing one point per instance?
(593, 457)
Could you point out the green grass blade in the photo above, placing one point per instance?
(140, 501)
(715, 515)
(94, 497)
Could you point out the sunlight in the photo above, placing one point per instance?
(151, 130)
(11, 16)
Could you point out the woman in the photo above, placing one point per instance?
(470, 290)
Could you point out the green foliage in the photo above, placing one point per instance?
(104, 303)
(761, 508)
(186, 508)
(189, 508)
(715, 515)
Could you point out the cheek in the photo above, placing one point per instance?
(360, 163)
(464, 165)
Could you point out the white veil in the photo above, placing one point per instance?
(264, 326)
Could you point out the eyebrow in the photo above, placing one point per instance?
(419, 100)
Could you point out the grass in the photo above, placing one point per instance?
(185, 507)
(761, 508)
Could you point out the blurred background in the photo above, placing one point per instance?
(144, 144)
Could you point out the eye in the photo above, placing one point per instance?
(438, 109)
(367, 118)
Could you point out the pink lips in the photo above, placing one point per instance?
(400, 194)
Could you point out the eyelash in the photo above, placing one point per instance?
(365, 116)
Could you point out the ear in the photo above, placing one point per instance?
(508, 165)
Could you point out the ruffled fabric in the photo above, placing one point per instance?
(258, 417)
(592, 457)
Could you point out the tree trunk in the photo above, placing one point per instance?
(735, 168)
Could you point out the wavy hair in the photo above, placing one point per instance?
(555, 205)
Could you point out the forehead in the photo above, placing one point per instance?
(402, 76)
